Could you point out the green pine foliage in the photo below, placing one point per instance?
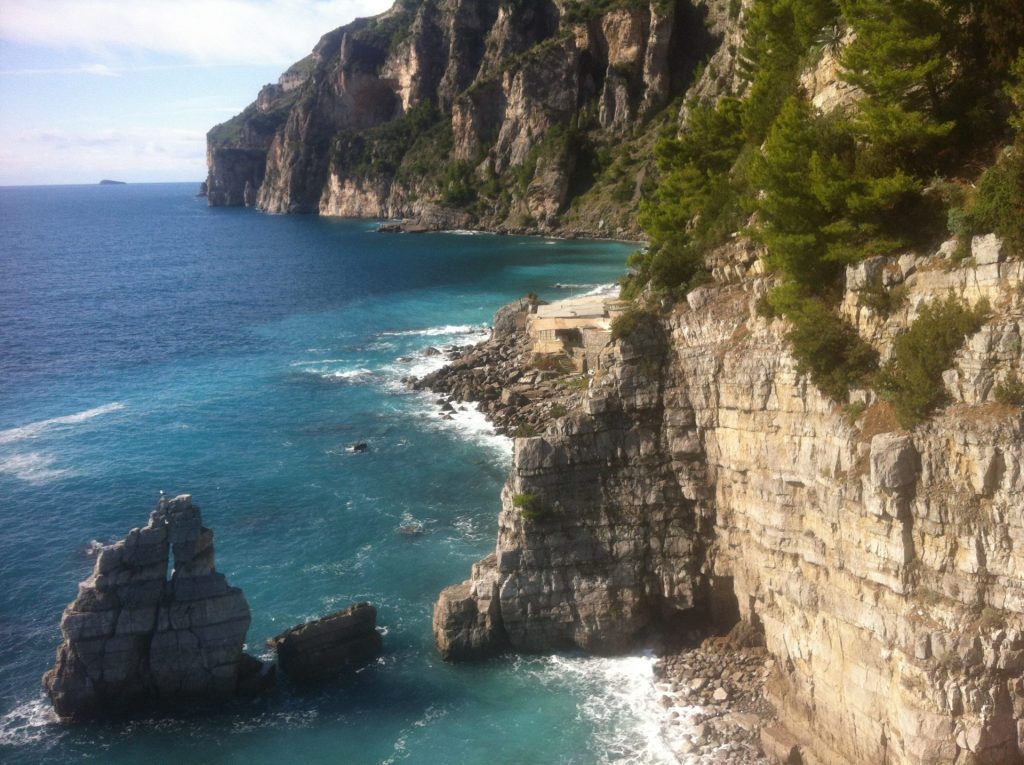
(792, 216)
(779, 34)
(941, 86)
(695, 205)
(899, 60)
(999, 203)
(912, 379)
(996, 201)
(825, 346)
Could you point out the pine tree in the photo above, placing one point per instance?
(779, 34)
(693, 167)
(792, 217)
(898, 59)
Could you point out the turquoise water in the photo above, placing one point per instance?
(149, 343)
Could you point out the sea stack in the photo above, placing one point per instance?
(134, 638)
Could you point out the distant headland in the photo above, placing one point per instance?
(108, 182)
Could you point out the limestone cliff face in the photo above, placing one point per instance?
(500, 76)
(883, 566)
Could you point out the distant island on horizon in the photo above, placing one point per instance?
(108, 182)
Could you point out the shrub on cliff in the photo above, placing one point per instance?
(532, 508)
(912, 378)
(825, 346)
(1010, 391)
(999, 204)
(626, 322)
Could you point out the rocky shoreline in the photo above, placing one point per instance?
(519, 394)
(715, 694)
(710, 686)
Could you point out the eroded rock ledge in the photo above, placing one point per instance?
(325, 648)
(134, 638)
(703, 474)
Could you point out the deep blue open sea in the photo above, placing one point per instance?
(150, 343)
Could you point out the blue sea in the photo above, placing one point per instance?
(150, 343)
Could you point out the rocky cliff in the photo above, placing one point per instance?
(489, 113)
(706, 479)
(133, 638)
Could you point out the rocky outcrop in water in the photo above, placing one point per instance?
(326, 647)
(707, 479)
(371, 124)
(134, 638)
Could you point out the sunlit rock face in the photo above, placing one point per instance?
(134, 638)
(501, 75)
(883, 566)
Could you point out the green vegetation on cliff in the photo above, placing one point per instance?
(912, 379)
(939, 89)
(378, 154)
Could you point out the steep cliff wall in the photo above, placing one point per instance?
(883, 566)
(505, 111)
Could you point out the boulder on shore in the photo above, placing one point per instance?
(324, 648)
(134, 638)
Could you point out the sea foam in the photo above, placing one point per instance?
(620, 702)
(32, 467)
(448, 329)
(28, 723)
(34, 429)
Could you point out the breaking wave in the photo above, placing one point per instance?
(620, 702)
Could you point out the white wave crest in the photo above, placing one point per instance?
(27, 723)
(348, 374)
(419, 366)
(32, 467)
(95, 547)
(34, 429)
(469, 423)
(620, 702)
(446, 330)
(610, 290)
(316, 362)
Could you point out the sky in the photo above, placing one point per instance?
(126, 89)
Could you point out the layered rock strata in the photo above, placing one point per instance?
(326, 647)
(134, 638)
(706, 475)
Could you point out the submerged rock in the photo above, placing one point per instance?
(324, 648)
(134, 638)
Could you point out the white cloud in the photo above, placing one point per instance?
(132, 153)
(198, 31)
(100, 70)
